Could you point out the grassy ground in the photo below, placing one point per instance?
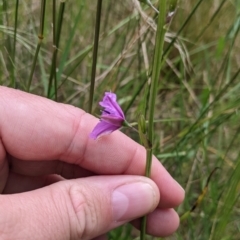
(197, 107)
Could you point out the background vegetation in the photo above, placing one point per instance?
(197, 116)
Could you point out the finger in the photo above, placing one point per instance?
(18, 183)
(160, 223)
(68, 171)
(34, 128)
(39, 168)
(3, 167)
(77, 209)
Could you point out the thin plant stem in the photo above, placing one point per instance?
(34, 64)
(182, 27)
(54, 44)
(60, 20)
(5, 15)
(95, 53)
(55, 51)
(15, 29)
(157, 63)
(40, 39)
(211, 20)
(8, 40)
(6, 23)
(14, 43)
(54, 21)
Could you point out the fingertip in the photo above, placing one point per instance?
(132, 200)
(161, 222)
(172, 193)
(181, 193)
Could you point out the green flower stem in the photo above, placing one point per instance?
(54, 44)
(15, 29)
(5, 21)
(34, 64)
(127, 124)
(40, 38)
(95, 53)
(157, 63)
(54, 20)
(182, 27)
(56, 38)
(14, 44)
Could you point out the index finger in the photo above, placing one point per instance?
(35, 128)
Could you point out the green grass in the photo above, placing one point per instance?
(197, 106)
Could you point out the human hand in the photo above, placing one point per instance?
(43, 143)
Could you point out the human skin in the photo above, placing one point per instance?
(57, 183)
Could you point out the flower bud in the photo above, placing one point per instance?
(142, 124)
(142, 129)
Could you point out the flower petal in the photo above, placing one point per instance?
(102, 128)
(110, 105)
(116, 121)
(112, 116)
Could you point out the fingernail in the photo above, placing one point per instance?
(180, 188)
(133, 200)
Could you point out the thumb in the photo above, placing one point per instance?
(76, 209)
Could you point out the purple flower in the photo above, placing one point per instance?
(112, 116)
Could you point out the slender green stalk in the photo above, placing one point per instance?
(54, 44)
(60, 20)
(40, 39)
(5, 22)
(182, 27)
(157, 63)
(229, 200)
(69, 41)
(15, 29)
(5, 10)
(14, 44)
(95, 52)
(34, 64)
(54, 21)
(56, 39)
(211, 20)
